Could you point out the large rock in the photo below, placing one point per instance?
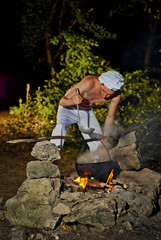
(125, 153)
(100, 213)
(42, 169)
(39, 203)
(32, 205)
(144, 181)
(45, 151)
(127, 157)
(127, 140)
(143, 192)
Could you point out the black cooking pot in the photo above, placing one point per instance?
(100, 170)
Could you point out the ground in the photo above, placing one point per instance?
(83, 234)
(13, 161)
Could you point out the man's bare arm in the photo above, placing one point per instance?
(111, 113)
(68, 99)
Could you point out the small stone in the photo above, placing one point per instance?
(42, 169)
(75, 228)
(127, 225)
(18, 233)
(45, 151)
(39, 236)
(32, 236)
(61, 209)
(125, 186)
(114, 181)
(121, 231)
(127, 139)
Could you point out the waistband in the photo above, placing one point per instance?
(73, 107)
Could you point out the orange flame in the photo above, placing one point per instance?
(111, 189)
(110, 177)
(82, 182)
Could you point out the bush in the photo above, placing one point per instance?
(37, 116)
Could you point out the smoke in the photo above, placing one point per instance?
(149, 140)
(102, 152)
(148, 137)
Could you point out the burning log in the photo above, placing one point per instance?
(109, 186)
(96, 184)
(85, 182)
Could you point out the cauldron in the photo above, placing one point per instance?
(99, 170)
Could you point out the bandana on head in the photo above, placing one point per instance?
(112, 80)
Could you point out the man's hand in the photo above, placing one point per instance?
(77, 98)
(104, 146)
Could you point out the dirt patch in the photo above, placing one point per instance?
(83, 234)
(112, 235)
(12, 172)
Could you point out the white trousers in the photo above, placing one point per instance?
(67, 117)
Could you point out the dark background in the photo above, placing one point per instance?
(126, 52)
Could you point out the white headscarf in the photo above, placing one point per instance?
(112, 80)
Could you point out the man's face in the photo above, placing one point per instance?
(105, 92)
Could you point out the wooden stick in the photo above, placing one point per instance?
(30, 140)
(96, 184)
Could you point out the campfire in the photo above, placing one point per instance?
(91, 183)
(82, 182)
(97, 175)
(106, 193)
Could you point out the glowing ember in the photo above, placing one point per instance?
(82, 182)
(110, 178)
(111, 189)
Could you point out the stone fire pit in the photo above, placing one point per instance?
(44, 200)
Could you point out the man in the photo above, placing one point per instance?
(89, 90)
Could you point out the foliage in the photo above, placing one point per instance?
(106, 23)
(75, 38)
(43, 19)
(34, 25)
(37, 116)
(136, 6)
(34, 117)
(140, 98)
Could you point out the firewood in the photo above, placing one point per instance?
(96, 184)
